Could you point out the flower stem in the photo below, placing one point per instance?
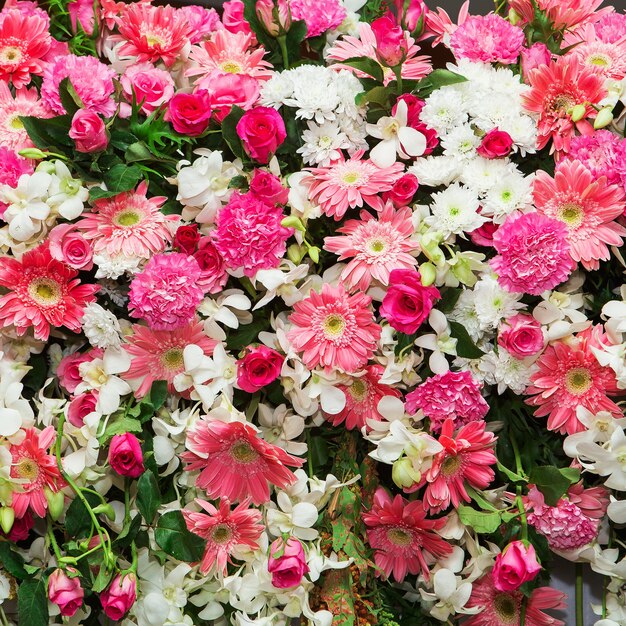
(282, 42)
(579, 595)
(518, 489)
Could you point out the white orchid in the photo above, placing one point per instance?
(607, 460)
(230, 308)
(439, 343)
(449, 597)
(296, 518)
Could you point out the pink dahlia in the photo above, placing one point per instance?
(403, 539)
(348, 184)
(158, 354)
(166, 293)
(36, 471)
(454, 395)
(601, 153)
(128, 224)
(225, 531)
(533, 253)
(249, 234)
(586, 206)
(611, 27)
(24, 42)
(504, 608)
(25, 103)
(43, 293)
(488, 39)
(319, 15)
(555, 89)
(235, 462)
(465, 459)
(570, 376)
(334, 329)
(152, 33)
(91, 79)
(363, 394)
(376, 246)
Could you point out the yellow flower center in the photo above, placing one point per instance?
(243, 452)
(358, 390)
(231, 67)
(128, 217)
(377, 246)
(152, 39)
(578, 380)
(351, 178)
(505, 608)
(399, 536)
(333, 326)
(45, 291)
(600, 60)
(10, 54)
(571, 214)
(28, 469)
(451, 466)
(172, 359)
(221, 533)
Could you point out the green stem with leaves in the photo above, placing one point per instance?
(518, 489)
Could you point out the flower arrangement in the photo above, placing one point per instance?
(297, 322)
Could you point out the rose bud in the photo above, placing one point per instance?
(65, 592)
(402, 191)
(125, 455)
(119, 597)
(391, 46)
(496, 143)
(258, 368)
(88, 131)
(80, 407)
(514, 566)
(268, 188)
(287, 563)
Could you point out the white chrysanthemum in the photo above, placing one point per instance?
(455, 211)
(433, 171)
(356, 133)
(523, 131)
(482, 174)
(464, 313)
(511, 192)
(101, 327)
(444, 110)
(322, 143)
(348, 86)
(315, 94)
(506, 371)
(276, 90)
(114, 267)
(493, 303)
(461, 142)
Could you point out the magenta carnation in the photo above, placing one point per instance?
(453, 395)
(319, 15)
(92, 81)
(533, 253)
(249, 234)
(166, 293)
(487, 38)
(601, 153)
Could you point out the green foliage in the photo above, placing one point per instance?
(229, 131)
(32, 602)
(465, 346)
(11, 561)
(148, 496)
(553, 482)
(437, 79)
(77, 519)
(120, 426)
(366, 65)
(173, 538)
(483, 522)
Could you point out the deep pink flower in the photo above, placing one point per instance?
(228, 90)
(118, 598)
(535, 56)
(232, 17)
(80, 406)
(186, 238)
(319, 15)
(402, 192)
(82, 15)
(258, 368)
(214, 274)
(521, 336)
(268, 188)
(67, 370)
(391, 44)
(190, 113)
(287, 563)
(564, 14)
(12, 166)
(88, 131)
(515, 565)
(262, 131)
(495, 144)
(602, 153)
(66, 592)
(151, 86)
(125, 456)
(202, 22)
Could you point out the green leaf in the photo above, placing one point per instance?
(122, 177)
(245, 335)
(553, 482)
(32, 602)
(511, 475)
(437, 79)
(172, 536)
(96, 193)
(295, 36)
(480, 500)
(318, 447)
(69, 98)
(49, 133)
(482, 522)
(229, 131)
(465, 347)
(366, 65)
(119, 427)
(129, 533)
(340, 533)
(449, 298)
(12, 561)
(102, 579)
(148, 496)
(158, 394)
(77, 518)
(377, 95)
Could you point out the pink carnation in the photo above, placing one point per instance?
(91, 79)
(319, 15)
(202, 22)
(166, 293)
(601, 153)
(249, 234)
(487, 38)
(453, 394)
(533, 253)
(611, 27)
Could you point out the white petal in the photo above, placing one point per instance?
(10, 422)
(384, 154)
(332, 400)
(156, 608)
(391, 408)
(412, 141)
(193, 356)
(304, 514)
(444, 583)
(438, 363)
(617, 511)
(163, 450)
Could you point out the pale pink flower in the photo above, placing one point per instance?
(25, 103)
(607, 59)
(376, 246)
(570, 376)
(130, 224)
(318, 15)
(586, 206)
(235, 462)
(334, 329)
(439, 23)
(611, 27)
(487, 39)
(348, 184)
(150, 86)
(562, 13)
(403, 539)
(225, 530)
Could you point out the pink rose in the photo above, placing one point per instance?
(496, 143)
(521, 336)
(232, 17)
(274, 23)
(259, 367)
(67, 370)
(230, 89)
(391, 48)
(211, 262)
(534, 57)
(21, 527)
(65, 592)
(483, 235)
(67, 244)
(515, 565)
(267, 187)
(80, 407)
(190, 113)
(402, 191)
(407, 302)
(120, 596)
(125, 455)
(412, 16)
(287, 563)
(202, 22)
(88, 131)
(152, 87)
(261, 130)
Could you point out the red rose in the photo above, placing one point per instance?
(261, 130)
(483, 235)
(186, 238)
(258, 368)
(189, 113)
(211, 262)
(496, 143)
(125, 456)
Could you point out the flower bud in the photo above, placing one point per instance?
(295, 253)
(293, 221)
(33, 153)
(7, 517)
(314, 253)
(514, 17)
(403, 474)
(604, 118)
(462, 271)
(429, 243)
(578, 112)
(428, 273)
(56, 503)
(105, 509)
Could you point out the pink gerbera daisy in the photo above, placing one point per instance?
(24, 41)
(465, 459)
(404, 540)
(562, 13)
(376, 245)
(158, 354)
(570, 376)
(25, 103)
(34, 470)
(225, 530)
(414, 67)
(555, 89)
(586, 206)
(43, 292)
(153, 33)
(504, 608)
(235, 462)
(334, 329)
(129, 224)
(607, 59)
(363, 394)
(348, 184)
